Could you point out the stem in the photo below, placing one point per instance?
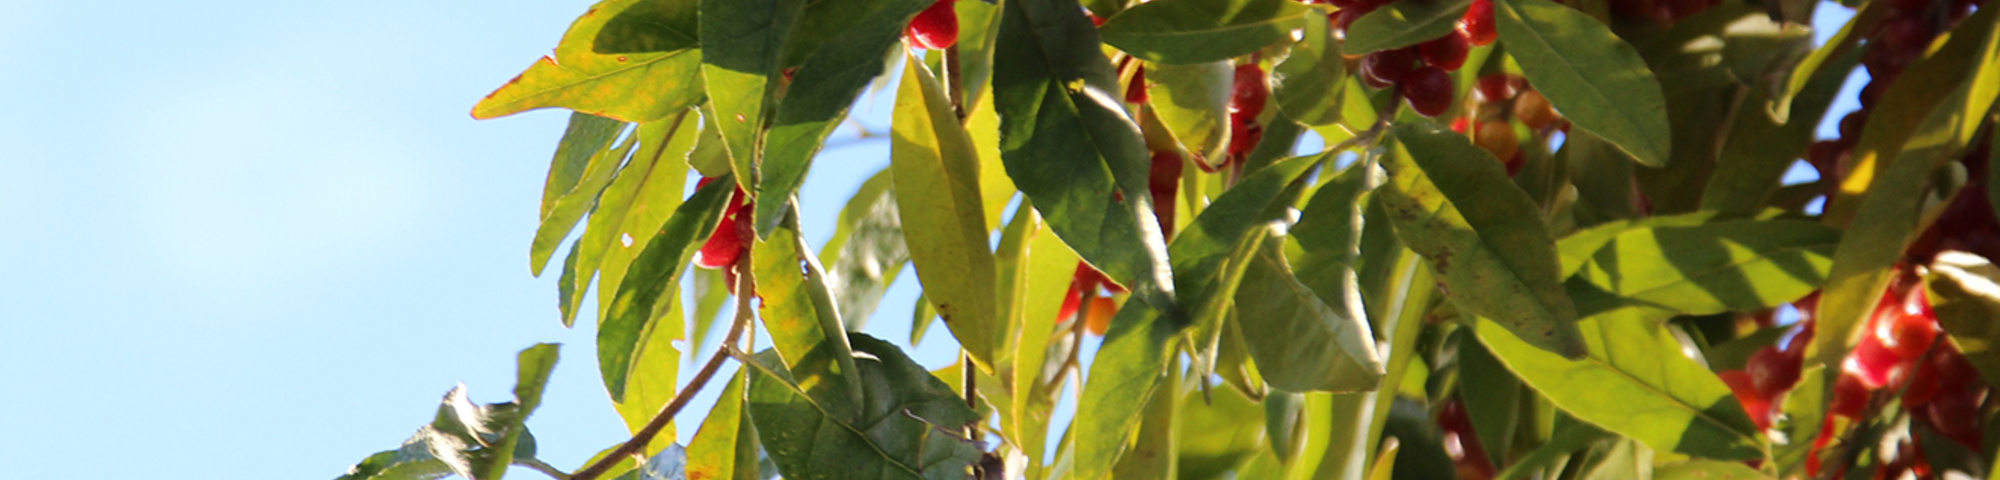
(536, 464)
(744, 286)
(1075, 344)
(954, 82)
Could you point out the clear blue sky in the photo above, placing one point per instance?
(260, 239)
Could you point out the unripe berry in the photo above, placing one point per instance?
(1428, 90)
(1098, 319)
(1497, 138)
(935, 28)
(1534, 110)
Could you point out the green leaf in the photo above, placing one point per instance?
(1197, 31)
(1804, 409)
(1300, 343)
(469, 440)
(1402, 24)
(1192, 100)
(1453, 203)
(583, 166)
(1576, 249)
(1220, 433)
(1069, 146)
(742, 42)
(1735, 265)
(867, 250)
(631, 87)
(797, 306)
(1157, 441)
(1212, 251)
(1126, 373)
(936, 173)
(1634, 381)
(1492, 397)
(904, 431)
(1307, 84)
(1707, 470)
(1041, 269)
(1596, 79)
(1759, 150)
(978, 30)
(622, 336)
(1568, 436)
(651, 26)
(653, 366)
(725, 448)
(1966, 298)
(1866, 21)
(848, 41)
(638, 201)
(1892, 172)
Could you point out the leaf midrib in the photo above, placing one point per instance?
(1595, 90)
(590, 78)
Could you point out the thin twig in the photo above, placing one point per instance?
(744, 287)
(954, 79)
(538, 465)
(1075, 345)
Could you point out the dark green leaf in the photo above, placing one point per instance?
(583, 166)
(979, 28)
(1402, 24)
(1453, 203)
(1196, 31)
(1569, 436)
(1966, 298)
(1328, 237)
(1126, 373)
(1734, 265)
(470, 440)
(1597, 80)
(740, 68)
(1492, 397)
(1635, 382)
(904, 431)
(651, 26)
(1307, 83)
(1865, 21)
(1211, 253)
(632, 87)
(1068, 144)
(622, 335)
(1759, 151)
(725, 448)
(848, 40)
(1299, 343)
(936, 174)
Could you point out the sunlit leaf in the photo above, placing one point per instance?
(1306, 85)
(637, 202)
(1300, 343)
(905, 431)
(631, 87)
(1735, 265)
(725, 448)
(936, 174)
(1192, 100)
(1196, 31)
(584, 165)
(1402, 24)
(621, 338)
(1597, 80)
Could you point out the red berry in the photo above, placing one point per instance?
(1495, 88)
(935, 28)
(1850, 397)
(1428, 90)
(1165, 182)
(1388, 67)
(1755, 402)
(1247, 98)
(726, 244)
(1243, 137)
(1515, 163)
(1906, 34)
(1955, 413)
(1873, 363)
(1071, 301)
(1911, 6)
(1477, 26)
(1446, 52)
(1136, 92)
(1910, 327)
(1772, 372)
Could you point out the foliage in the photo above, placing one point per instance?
(1539, 239)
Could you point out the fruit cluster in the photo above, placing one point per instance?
(1496, 99)
(1247, 97)
(1663, 12)
(1462, 444)
(1085, 285)
(1421, 70)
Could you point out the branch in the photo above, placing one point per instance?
(540, 466)
(744, 286)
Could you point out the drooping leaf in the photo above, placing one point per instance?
(905, 430)
(621, 337)
(1196, 31)
(1885, 193)
(1069, 146)
(1127, 372)
(1453, 203)
(725, 448)
(631, 87)
(1596, 79)
(1213, 251)
(936, 173)
(1634, 381)
(867, 250)
(1300, 343)
(741, 43)
(1306, 85)
(797, 307)
(1734, 265)
(653, 368)
(1156, 444)
(1402, 24)
(848, 40)
(584, 165)
(1041, 271)
(638, 201)
(1192, 100)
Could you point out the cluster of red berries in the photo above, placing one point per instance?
(1461, 443)
(1664, 12)
(1246, 102)
(1422, 70)
(1085, 284)
(1496, 99)
(935, 28)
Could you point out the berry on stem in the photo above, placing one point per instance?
(936, 28)
(1446, 52)
(1428, 91)
(1477, 26)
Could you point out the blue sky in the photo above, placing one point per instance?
(260, 239)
